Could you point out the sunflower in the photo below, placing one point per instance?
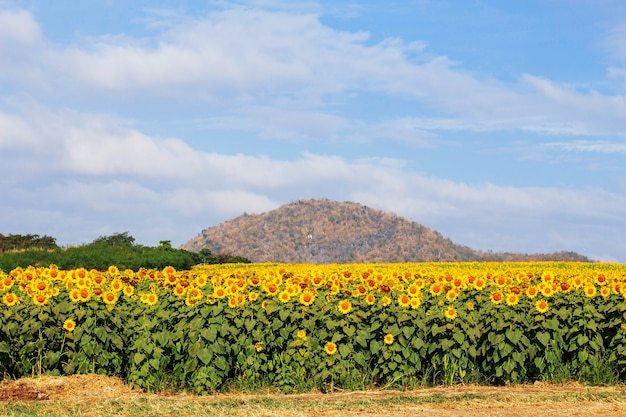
(41, 285)
(109, 297)
(272, 289)
(590, 291)
(284, 296)
(436, 289)
(179, 290)
(531, 292)
(415, 302)
(113, 270)
(69, 325)
(601, 279)
(547, 276)
(40, 299)
(404, 301)
(470, 306)
(605, 291)
(479, 283)
(195, 293)
(84, 295)
(344, 306)
(171, 280)
(496, 297)
(388, 339)
(75, 295)
(232, 302)
(151, 298)
(542, 306)
(117, 285)
(547, 290)
(7, 282)
(413, 290)
(219, 292)
(301, 334)
(370, 299)
(330, 348)
(451, 295)
(385, 301)
(512, 299)
(253, 296)
(450, 313)
(258, 346)
(307, 298)
(9, 299)
(201, 281)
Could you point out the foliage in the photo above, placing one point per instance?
(117, 249)
(297, 327)
(14, 242)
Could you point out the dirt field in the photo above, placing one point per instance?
(96, 396)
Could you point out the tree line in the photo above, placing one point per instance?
(118, 249)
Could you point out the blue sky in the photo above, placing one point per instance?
(501, 125)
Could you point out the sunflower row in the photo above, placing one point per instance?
(383, 284)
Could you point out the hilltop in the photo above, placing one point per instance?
(325, 231)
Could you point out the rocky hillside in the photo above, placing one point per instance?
(324, 231)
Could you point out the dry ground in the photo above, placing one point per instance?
(98, 396)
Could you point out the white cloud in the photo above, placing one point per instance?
(601, 146)
(288, 68)
(18, 28)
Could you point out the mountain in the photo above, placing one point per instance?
(325, 231)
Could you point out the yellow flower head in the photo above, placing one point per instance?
(590, 291)
(344, 306)
(532, 292)
(496, 297)
(451, 295)
(258, 346)
(69, 325)
(388, 339)
(307, 298)
(10, 299)
(150, 298)
(542, 306)
(450, 313)
(301, 334)
(109, 297)
(330, 348)
(512, 299)
(40, 299)
(404, 301)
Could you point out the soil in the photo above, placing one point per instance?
(462, 400)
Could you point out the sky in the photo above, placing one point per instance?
(499, 124)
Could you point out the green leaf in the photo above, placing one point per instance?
(220, 363)
(459, 337)
(205, 355)
(345, 349)
(544, 338)
(138, 358)
(349, 330)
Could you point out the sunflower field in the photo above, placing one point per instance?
(302, 327)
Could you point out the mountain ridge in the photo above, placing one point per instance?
(326, 231)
